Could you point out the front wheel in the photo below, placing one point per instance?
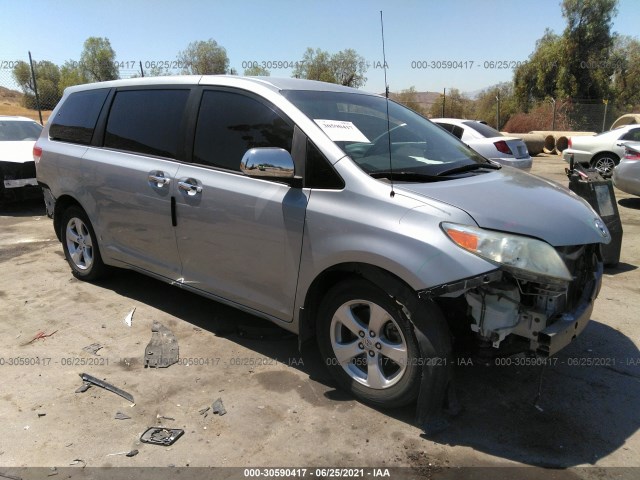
(80, 245)
(369, 345)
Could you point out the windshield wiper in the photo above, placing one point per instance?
(406, 176)
(468, 168)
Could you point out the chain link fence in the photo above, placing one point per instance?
(31, 87)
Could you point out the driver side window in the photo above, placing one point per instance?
(230, 123)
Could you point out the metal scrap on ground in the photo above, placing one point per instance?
(162, 351)
(90, 380)
(161, 436)
(93, 348)
(218, 407)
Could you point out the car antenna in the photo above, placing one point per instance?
(386, 94)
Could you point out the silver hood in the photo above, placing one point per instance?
(513, 201)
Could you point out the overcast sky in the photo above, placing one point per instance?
(476, 37)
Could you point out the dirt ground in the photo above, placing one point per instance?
(282, 408)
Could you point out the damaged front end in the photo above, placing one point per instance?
(539, 294)
(511, 311)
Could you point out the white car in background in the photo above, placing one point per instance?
(17, 168)
(488, 142)
(602, 151)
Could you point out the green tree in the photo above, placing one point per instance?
(456, 105)
(47, 79)
(204, 57)
(577, 63)
(256, 71)
(344, 68)
(409, 98)
(588, 41)
(315, 65)
(97, 61)
(486, 104)
(626, 78)
(349, 68)
(538, 77)
(71, 74)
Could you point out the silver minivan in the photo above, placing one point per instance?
(335, 213)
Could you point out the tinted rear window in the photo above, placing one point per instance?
(484, 130)
(147, 121)
(77, 117)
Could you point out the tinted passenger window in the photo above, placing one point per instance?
(77, 117)
(229, 124)
(146, 121)
(633, 134)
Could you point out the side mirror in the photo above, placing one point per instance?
(270, 163)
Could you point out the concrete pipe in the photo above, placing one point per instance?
(562, 142)
(549, 144)
(534, 142)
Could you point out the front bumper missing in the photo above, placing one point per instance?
(564, 330)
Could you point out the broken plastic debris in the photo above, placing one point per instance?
(162, 350)
(162, 417)
(218, 407)
(131, 453)
(161, 436)
(38, 336)
(122, 416)
(129, 318)
(76, 461)
(90, 380)
(93, 348)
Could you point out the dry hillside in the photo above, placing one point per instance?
(11, 104)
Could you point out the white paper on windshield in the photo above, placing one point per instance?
(425, 160)
(340, 131)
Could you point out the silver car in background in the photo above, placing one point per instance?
(489, 142)
(602, 151)
(334, 213)
(626, 175)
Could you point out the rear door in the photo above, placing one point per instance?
(239, 238)
(131, 179)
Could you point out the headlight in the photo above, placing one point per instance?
(520, 255)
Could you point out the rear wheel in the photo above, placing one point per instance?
(80, 245)
(605, 163)
(369, 345)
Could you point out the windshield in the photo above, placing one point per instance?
(15, 131)
(357, 123)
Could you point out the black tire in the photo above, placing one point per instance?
(360, 298)
(77, 234)
(604, 163)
